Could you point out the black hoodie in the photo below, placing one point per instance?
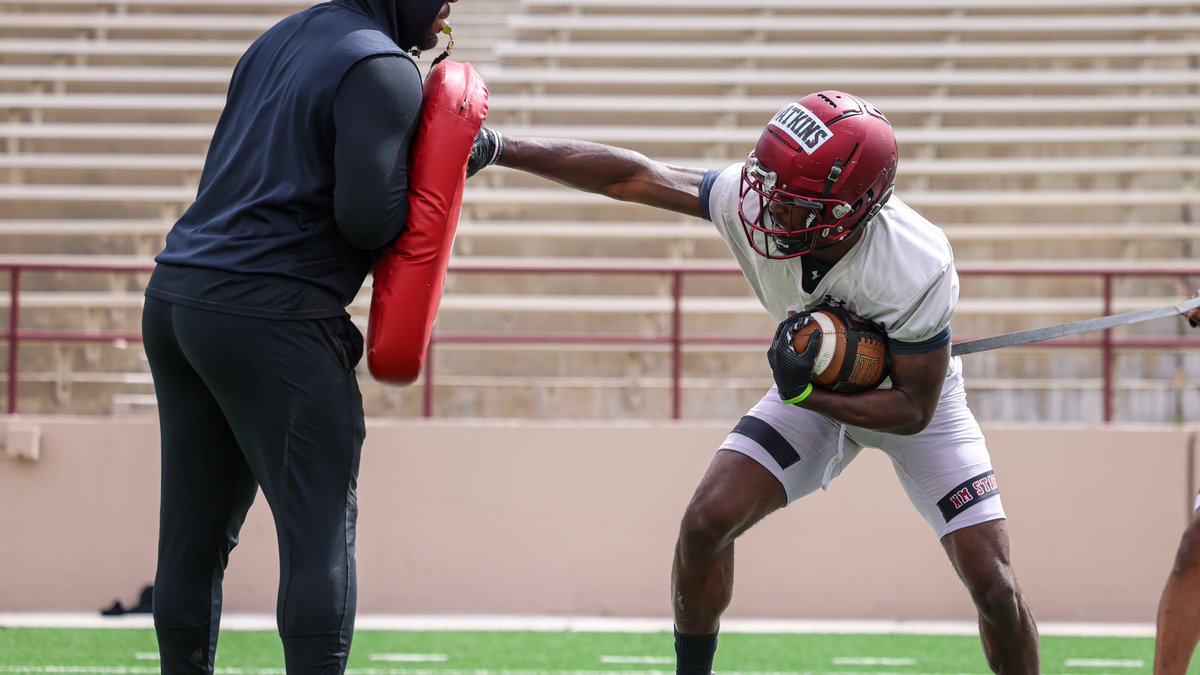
(262, 238)
(404, 21)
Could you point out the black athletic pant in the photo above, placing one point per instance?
(248, 402)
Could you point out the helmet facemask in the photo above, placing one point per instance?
(814, 222)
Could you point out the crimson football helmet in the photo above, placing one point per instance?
(822, 168)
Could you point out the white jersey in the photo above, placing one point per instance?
(899, 275)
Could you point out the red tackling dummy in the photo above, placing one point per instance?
(410, 274)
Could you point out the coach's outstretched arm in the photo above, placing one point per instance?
(593, 167)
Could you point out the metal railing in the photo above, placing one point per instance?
(675, 339)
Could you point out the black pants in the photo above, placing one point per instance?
(243, 403)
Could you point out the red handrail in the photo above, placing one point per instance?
(675, 339)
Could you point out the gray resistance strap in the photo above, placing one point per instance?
(1073, 328)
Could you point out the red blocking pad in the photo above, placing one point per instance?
(410, 274)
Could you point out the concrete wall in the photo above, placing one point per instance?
(580, 518)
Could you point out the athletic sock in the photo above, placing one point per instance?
(694, 653)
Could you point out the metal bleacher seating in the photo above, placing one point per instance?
(1054, 133)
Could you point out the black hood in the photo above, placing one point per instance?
(405, 21)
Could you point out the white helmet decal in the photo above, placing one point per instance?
(802, 126)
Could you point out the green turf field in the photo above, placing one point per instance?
(133, 652)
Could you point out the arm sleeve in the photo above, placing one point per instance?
(706, 194)
(376, 113)
(932, 344)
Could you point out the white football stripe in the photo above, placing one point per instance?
(82, 669)
(410, 658)
(1104, 663)
(873, 661)
(628, 660)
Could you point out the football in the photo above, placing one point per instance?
(853, 354)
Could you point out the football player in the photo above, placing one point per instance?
(811, 219)
(1179, 609)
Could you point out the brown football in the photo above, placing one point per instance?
(853, 353)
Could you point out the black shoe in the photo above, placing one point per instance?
(145, 602)
(117, 609)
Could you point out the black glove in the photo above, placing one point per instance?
(792, 371)
(485, 151)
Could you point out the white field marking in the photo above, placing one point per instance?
(1104, 663)
(581, 624)
(873, 661)
(137, 670)
(631, 660)
(410, 658)
(145, 656)
(484, 671)
(83, 669)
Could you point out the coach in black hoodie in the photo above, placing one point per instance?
(245, 323)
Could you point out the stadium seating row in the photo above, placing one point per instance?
(1055, 132)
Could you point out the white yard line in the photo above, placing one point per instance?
(83, 670)
(1104, 663)
(135, 670)
(146, 656)
(410, 658)
(636, 660)
(873, 661)
(581, 624)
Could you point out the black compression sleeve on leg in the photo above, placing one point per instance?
(694, 653)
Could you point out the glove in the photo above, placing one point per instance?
(485, 151)
(792, 371)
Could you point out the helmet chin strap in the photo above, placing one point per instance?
(790, 245)
(835, 172)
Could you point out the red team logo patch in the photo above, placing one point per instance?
(967, 494)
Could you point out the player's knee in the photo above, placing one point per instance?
(1187, 558)
(705, 528)
(998, 599)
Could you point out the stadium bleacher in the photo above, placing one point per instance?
(1055, 133)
